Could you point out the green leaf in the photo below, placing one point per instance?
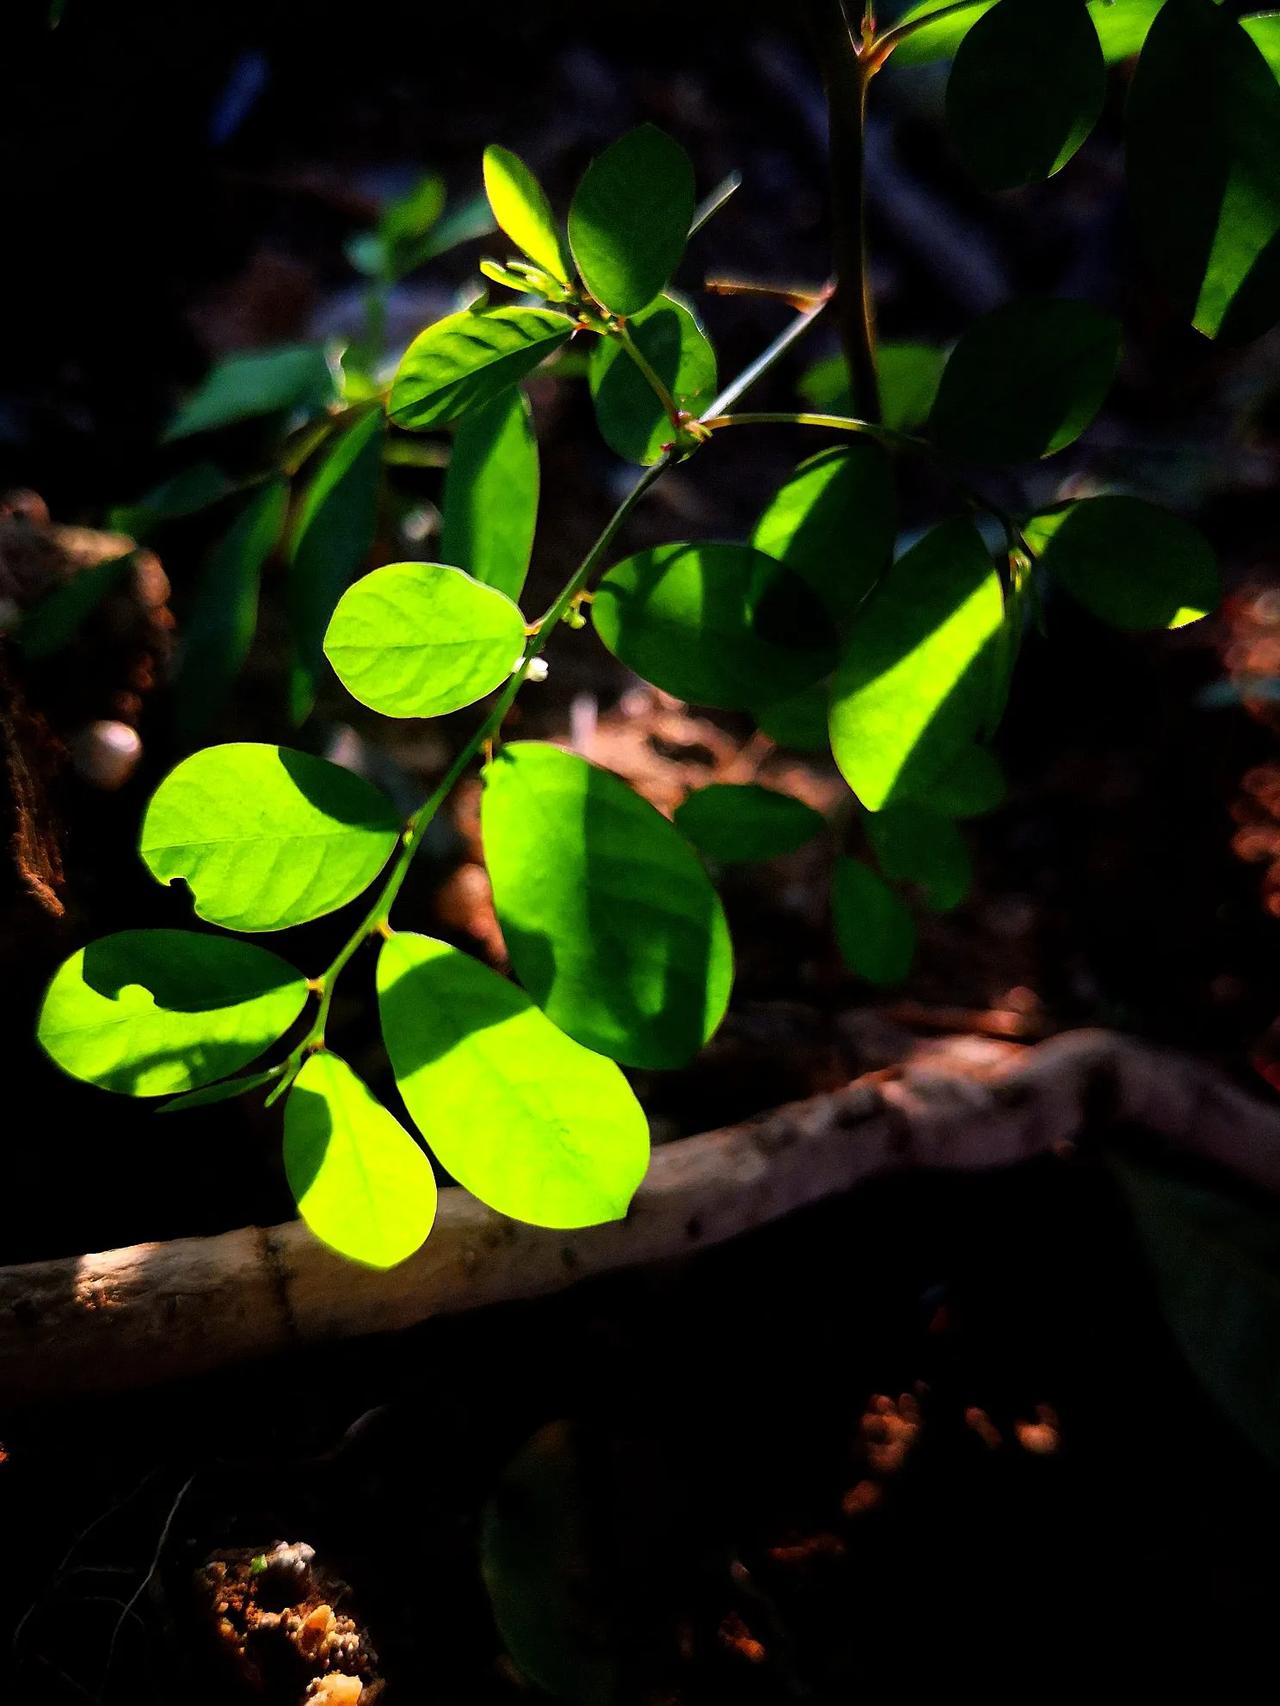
(219, 630)
(733, 822)
(971, 785)
(630, 416)
(908, 374)
(914, 683)
(157, 1012)
(55, 620)
(264, 836)
(552, 1583)
(1215, 1259)
(917, 845)
(874, 929)
(331, 540)
(800, 720)
(491, 494)
(522, 210)
(466, 360)
(1264, 29)
(1121, 26)
(406, 226)
(187, 493)
(1026, 89)
(528, 1120)
(361, 1183)
(610, 920)
(834, 523)
(293, 377)
(630, 217)
(716, 624)
(1130, 563)
(225, 1091)
(1025, 381)
(421, 640)
(1203, 139)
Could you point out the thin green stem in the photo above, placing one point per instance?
(765, 360)
(830, 423)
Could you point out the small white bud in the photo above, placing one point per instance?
(537, 670)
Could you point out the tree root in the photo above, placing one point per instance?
(131, 1317)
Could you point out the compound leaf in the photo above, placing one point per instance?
(631, 418)
(264, 836)
(834, 523)
(528, 1120)
(422, 639)
(1026, 89)
(733, 822)
(159, 1012)
(466, 360)
(630, 217)
(491, 493)
(914, 683)
(1130, 563)
(609, 917)
(361, 1183)
(717, 624)
(1025, 381)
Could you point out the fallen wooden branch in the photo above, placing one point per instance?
(134, 1316)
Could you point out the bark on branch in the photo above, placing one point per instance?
(134, 1316)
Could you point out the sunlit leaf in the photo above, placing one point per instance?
(914, 683)
(630, 415)
(157, 1012)
(491, 494)
(630, 217)
(874, 929)
(915, 844)
(466, 360)
(422, 639)
(522, 210)
(219, 629)
(1203, 139)
(361, 1183)
(834, 523)
(713, 623)
(1026, 89)
(1132, 564)
(225, 1091)
(260, 382)
(264, 836)
(733, 822)
(532, 1123)
(908, 375)
(1121, 25)
(331, 539)
(610, 920)
(1025, 381)
(1264, 28)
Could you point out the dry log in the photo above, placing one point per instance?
(134, 1316)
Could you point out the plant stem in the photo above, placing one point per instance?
(767, 357)
(832, 423)
(846, 74)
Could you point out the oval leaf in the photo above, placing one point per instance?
(1025, 381)
(1130, 563)
(915, 681)
(732, 822)
(261, 382)
(971, 785)
(834, 523)
(716, 624)
(361, 1183)
(630, 218)
(874, 929)
(491, 494)
(528, 1120)
(908, 375)
(1026, 89)
(610, 920)
(466, 360)
(421, 640)
(1203, 125)
(800, 720)
(158, 1012)
(264, 836)
(630, 416)
(522, 210)
(920, 846)
(331, 539)
(1121, 26)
